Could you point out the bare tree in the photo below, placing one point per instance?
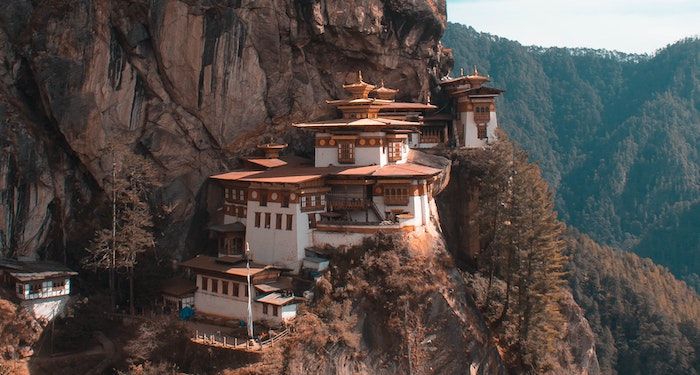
(131, 234)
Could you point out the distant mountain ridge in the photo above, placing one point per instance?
(616, 134)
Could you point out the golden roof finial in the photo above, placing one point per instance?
(381, 83)
(359, 76)
(476, 71)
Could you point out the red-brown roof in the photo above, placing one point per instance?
(302, 174)
(364, 122)
(267, 163)
(407, 105)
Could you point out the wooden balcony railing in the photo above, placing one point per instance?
(344, 202)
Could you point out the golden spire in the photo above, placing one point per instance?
(476, 71)
(359, 76)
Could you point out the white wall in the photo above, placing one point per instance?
(337, 239)
(471, 139)
(47, 308)
(278, 246)
(236, 308)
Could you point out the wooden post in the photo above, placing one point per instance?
(224, 341)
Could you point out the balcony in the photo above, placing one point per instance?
(347, 202)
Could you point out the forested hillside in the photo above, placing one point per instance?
(616, 135)
(645, 321)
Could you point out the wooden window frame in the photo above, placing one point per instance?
(396, 195)
(235, 289)
(312, 221)
(285, 199)
(263, 198)
(205, 283)
(290, 219)
(395, 151)
(215, 286)
(264, 308)
(268, 220)
(346, 152)
(224, 287)
(275, 310)
(257, 219)
(481, 131)
(278, 221)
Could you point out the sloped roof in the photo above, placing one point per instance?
(278, 299)
(227, 228)
(235, 266)
(35, 270)
(177, 287)
(353, 122)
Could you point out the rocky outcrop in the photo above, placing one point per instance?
(189, 83)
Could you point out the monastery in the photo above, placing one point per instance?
(361, 182)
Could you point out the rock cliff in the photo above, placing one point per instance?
(189, 83)
(192, 84)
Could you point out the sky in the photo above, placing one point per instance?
(632, 26)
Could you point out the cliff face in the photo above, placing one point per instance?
(191, 84)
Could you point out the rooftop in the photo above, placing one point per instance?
(177, 287)
(231, 265)
(278, 299)
(35, 270)
(303, 174)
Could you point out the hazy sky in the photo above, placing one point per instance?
(625, 25)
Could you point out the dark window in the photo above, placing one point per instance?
(257, 219)
(481, 131)
(285, 199)
(246, 290)
(289, 222)
(268, 218)
(224, 287)
(234, 289)
(59, 284)
(275, 311)
(346, 152)
(278, 221)
(312, 220)
(265, 308)
(205, 283)
(214, 286)
(263, 197)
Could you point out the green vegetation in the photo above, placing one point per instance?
(616, 135)
(521, 264)
(645, 321)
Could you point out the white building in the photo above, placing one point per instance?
(222, 290)
(43, 287)
(475, 109)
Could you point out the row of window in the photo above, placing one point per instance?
(278, 220)
(42, 287)
(237, 211)
(223, 287)
(396, 196)
(310, 202)
(346, 151)
(233, 194)
(266, 310)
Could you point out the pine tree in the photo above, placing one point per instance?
(523, 248)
